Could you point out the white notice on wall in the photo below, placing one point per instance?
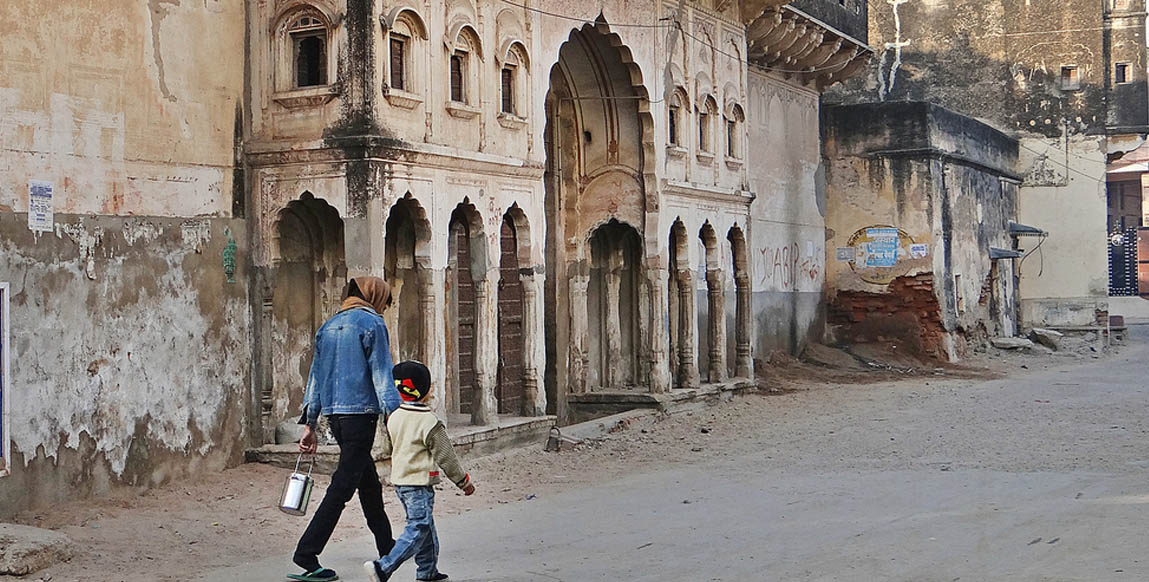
(844, 254)
(919, 251)
(40, 218)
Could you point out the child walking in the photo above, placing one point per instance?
(419, 447)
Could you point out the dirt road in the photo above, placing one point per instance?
(1037, 475)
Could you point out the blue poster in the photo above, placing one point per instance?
(882, 249)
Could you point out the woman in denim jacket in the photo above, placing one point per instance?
(351, 384)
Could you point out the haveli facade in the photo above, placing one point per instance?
(573, 203)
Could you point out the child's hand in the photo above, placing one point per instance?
(469, 489)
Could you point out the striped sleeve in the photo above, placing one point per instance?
(444, 454)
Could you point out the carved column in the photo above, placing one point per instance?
(688, 368)
(674, 339)
(535, 404)
(578, 353)
(615, 369)
(716, 315)
(485, 411)
(659, 338)
(744, 359)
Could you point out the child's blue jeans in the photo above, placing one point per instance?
(419, 539)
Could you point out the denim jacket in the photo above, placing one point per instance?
(351, 368)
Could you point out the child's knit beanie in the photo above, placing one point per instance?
(413, 380)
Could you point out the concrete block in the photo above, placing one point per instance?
(1011, 343)
(24, 550)
(1046, 337)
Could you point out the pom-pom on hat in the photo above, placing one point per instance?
(413, 380)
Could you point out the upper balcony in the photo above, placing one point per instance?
(818, 41)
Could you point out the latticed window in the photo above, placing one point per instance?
(672, 125)
(309, 44)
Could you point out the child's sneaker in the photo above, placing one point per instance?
(440, 577)
(374, 574)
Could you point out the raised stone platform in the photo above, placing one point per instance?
(470, 442)
(593, 405)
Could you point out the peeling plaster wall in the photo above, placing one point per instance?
(131, 354)
(788, 228)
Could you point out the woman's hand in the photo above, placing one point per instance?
(310, 442)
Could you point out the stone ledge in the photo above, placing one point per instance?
(24, 550)
(471, 442)
(592, 406)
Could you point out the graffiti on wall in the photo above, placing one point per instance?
(787, 267)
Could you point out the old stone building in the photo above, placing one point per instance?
(1067, 80)
(922, 203)
(578, 206)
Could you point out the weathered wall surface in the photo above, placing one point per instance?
(112, 102)
(1047, 73)
(788, 228)
(1065, 282)
(131, 358)
(937, 190)
(131, 353)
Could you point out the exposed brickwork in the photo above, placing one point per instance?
(909, 312)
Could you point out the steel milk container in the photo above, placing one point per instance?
(297, 490)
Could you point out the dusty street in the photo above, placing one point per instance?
(1038, 475)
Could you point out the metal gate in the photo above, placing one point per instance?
(1123, 263)
(510, 391)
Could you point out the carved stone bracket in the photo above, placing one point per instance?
(789, 43)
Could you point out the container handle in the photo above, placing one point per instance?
(310, 465)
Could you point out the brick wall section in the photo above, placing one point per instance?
(908, 312)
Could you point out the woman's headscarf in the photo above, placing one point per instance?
(371, 292)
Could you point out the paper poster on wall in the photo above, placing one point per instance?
(40, 216)
(844, 254)
(882, 248)
(919, 251)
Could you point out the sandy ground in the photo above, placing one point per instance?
(230, 518)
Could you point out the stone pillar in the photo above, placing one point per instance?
(716, 315)
(578, 353)
(674, 312)
(744, 358)
(659, 338)
(432, 289)
(535, 404)
(688, 368)
(485, 409)
(614, 373)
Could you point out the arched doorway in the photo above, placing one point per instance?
(466, 275)
(406, 268)
(713, 344)
(739, 354)
(511, 381)
(310, 274)
(599, 137)
(613, 306)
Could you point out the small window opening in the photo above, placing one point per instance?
(1070, 79)
(1121, 73)
(508, 88)
(457, 69)
(399, 62)
(732, 139)
(704, 130)
(672, 125)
